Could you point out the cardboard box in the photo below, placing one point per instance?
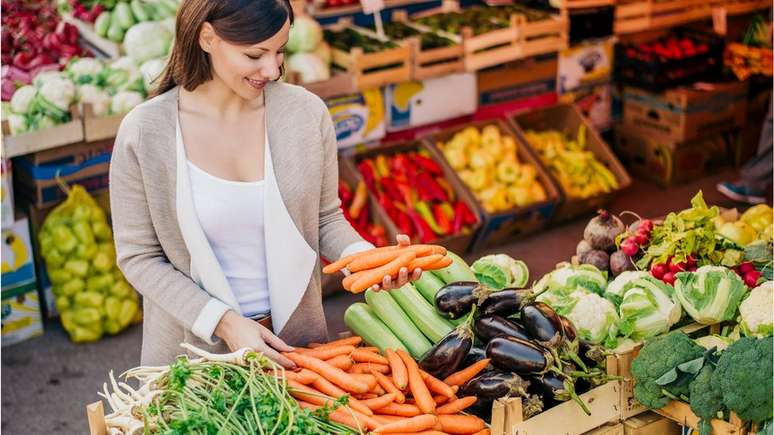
(650, 423)
(21, 319)
(517, 80)
(416, 103)
(686, 113)
(667, 162)
(18, 268)
(585, 64)
(6, 193)
(595, 103)
(44, 184)
(358, 118)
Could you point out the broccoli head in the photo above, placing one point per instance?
(744, 376)
(706, 398)
(656, 358)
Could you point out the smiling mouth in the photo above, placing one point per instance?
(257, 84)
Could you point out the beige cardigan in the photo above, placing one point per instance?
(163, 252)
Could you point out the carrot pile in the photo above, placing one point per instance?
(369, 268)
(387, 394)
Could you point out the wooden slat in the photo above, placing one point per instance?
(95, 413)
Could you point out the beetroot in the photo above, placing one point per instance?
(620, 262)
(596, 258)
(602, 230)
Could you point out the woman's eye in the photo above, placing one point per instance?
(253, 57)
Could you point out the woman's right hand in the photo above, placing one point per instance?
(239, 332)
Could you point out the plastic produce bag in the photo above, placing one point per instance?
(92, 295)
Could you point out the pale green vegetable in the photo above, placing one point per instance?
(585, 275)
(147, 40)
(305, 34)
(151, 70)
(716, 341)
(99, 99)
(755, 312)
(648, 308)
(17, 123)
(45, 76)
(55, 97)
(711, 294)
(125, 101)
(614, 290)
(85, 70)
(309, 67)
(595, 318)
(22, 99)
(500, 271)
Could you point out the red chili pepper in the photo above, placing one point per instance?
(390, 187)
(428, 164)
(368, 172)
(447, 188)
(441, 218)
(408, 194)
(467, 216)
(459, 219)
(430, 187)
(404, 224)
(22, 60)
(424, 232)
(345, 193)
(363, 219)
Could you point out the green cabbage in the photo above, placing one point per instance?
(711, 294)
(648, 308)
(500, 271)
(585, 275)
(305, 35)
(147, 40)
(615, 289)
(22, 99)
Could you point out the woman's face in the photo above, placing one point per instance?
(245, 69)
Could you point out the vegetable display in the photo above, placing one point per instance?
(307, 49)
(577, 169)
(92, 295)
(487, 162)
(711, 294)
(411, 188)
(43, 104)
(354, 204)
(347, 38)
(116, 25)
(755, 311)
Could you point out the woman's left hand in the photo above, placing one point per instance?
(403, 276)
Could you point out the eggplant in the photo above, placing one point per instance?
(475, 355)
(482, 409)
(505, 303)
(519, 355)
(456, 299)
(492, 326)
(495, 384)
(593, 354)
(558, 387)
(542, 324)
(570, 333)
(447, 355)
(571, 343)
(532, 405)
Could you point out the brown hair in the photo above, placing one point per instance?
(243, 22)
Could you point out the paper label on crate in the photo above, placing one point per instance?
(413, 104)
(372, 6)
(17, 264)
(585, 65)
(20, 317)
(358, 118)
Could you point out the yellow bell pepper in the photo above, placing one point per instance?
(508, 172)
(456, 157)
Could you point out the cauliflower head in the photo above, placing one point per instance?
(755, 312)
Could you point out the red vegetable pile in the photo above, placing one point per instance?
(33, 36)
(413, 191)
(356, 210)
(668, 48)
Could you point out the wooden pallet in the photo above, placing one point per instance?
(373, 70)
(434, 62)
(637, 16)
(564, 419)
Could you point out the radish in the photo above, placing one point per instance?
(641, 239)
(669, 278)
(629, 247)
(746, 267)
(751, 278)
(659, 270)
(676, 267)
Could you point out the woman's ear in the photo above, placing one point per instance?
(207, 37)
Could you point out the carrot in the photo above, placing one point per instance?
(344, 261)
(303, 376)
(385, 419)
(379, 390)
(324, 353)
(413, 424)
(326, 387)
(457, 405)
(373, 260)
(349, 280)
(466, 374)
(440, 400)
(348, 417)
(333, 374)
(372, 349)
(367, 367)
(424, 250)
(363, 356)
(443, 262)
(401, 409)
(343, 362)
(436, 385)
(352, 341)
(379, 402)
(398, 369)
(367, 378)
(484, 431)
(417, 386)
(366, 396)
(388, 386)
(461, 424)
(375, 276)
(422, 432)
(425, 262)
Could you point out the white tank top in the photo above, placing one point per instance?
(231, 215)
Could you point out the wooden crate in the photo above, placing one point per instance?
(111, 49)
(372, 70)
(584, 4)
(680, 412)
(433, 62)
(567, 118)
(564, 419)
(458, 243)
(608, 429)
(340, 84)
(742, 7)
(650, 423)
(504, 225)
(39, 140)
(97, 128)
(636, 16)
(629, 405)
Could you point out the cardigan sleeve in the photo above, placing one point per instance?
(337, 236)
(139, 253)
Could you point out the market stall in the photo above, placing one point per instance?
(468, 126)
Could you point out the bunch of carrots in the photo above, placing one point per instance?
(369, 268)
(388, 393)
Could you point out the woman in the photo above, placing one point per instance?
(224, 191)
